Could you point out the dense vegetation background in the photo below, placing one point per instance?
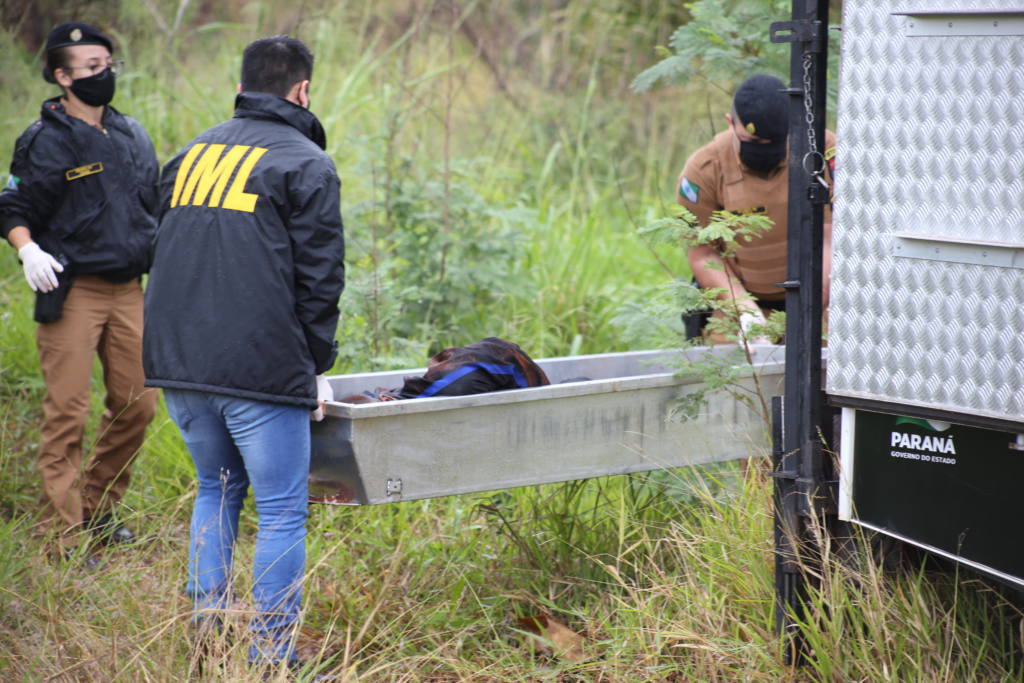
(495, 165)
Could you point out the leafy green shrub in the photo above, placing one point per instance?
(655, 314)
(430, 258)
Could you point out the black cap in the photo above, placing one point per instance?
(77, 33)
(762, 108)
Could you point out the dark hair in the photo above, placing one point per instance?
(275, 64)
(55, 59)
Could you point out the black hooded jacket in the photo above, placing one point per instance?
(248, 261)
(87, 195)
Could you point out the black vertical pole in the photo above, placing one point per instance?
(799, 459)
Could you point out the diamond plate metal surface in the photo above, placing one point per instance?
(930, 142)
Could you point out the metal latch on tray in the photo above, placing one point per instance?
(393, 487)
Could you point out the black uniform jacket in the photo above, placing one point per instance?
(248, 263)
(88, 195)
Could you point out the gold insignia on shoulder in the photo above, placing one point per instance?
(752, 211)
(82, 171)
(751, 128)
(76, 34)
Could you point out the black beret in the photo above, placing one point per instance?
(77, 33)
(762, 107)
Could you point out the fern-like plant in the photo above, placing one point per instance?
(722, 44)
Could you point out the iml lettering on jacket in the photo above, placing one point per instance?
(204, 174)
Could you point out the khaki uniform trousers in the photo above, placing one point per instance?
(102, 318)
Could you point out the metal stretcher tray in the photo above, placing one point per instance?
(623, 418)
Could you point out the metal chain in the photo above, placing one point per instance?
(813, 161)
(812, 143)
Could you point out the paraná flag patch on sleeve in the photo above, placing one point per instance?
(689, 190)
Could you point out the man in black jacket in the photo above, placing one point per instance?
(242, 306)
(80, 209)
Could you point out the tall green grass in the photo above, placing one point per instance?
(668, 576)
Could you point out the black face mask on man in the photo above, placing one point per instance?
(762, 157)
(96, 90)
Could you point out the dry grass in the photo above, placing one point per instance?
(667, 577)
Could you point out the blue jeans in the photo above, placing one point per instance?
(236, 442)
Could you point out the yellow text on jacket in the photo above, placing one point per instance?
(204, 174)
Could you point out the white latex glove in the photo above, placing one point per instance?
(324, 392)
(40, 268)
(749, 319)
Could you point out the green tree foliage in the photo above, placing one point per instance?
(722, 44)
(727, 41)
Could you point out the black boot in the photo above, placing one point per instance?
(109, 531)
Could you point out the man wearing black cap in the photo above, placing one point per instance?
(743, 170)
(79, 208)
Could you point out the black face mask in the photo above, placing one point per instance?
(96, 90)
(762, 157)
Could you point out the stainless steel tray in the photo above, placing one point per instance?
(622, 419)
